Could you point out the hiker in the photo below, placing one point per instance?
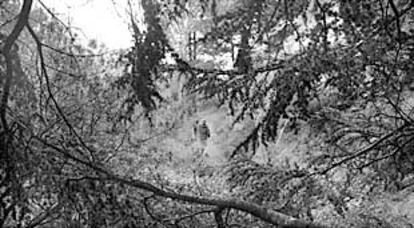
(203, 134)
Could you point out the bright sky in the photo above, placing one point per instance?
(103, 20)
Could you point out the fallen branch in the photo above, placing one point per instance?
(267, 215)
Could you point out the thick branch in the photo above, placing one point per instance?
(263, 213)
(8, 44)
(267, 68)
(22, 21)
(270, 216)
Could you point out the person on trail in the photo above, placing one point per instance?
(203, 134)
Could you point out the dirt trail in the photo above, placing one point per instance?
(223, 138)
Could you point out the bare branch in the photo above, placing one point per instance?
(397, 15)
(364, 150)
(21, 22)
(270, 216)
(43, 216)
(270, 67)
(59, 110)
(7, 46)
(70, 54)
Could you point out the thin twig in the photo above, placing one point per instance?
(70, 54)
(362, 151)
(177, 220)
(45, 74)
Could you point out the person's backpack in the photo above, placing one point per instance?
(204, 132)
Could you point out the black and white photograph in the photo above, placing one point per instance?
(206, 113)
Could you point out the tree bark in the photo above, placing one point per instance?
(8, 44)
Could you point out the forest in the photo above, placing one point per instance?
(221, 113)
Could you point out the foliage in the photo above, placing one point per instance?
(142, 62)
(284, 189)
(77, 151)
(360, 62)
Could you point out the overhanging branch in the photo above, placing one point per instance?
(197, 70)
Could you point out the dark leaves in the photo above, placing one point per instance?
(142, 62)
